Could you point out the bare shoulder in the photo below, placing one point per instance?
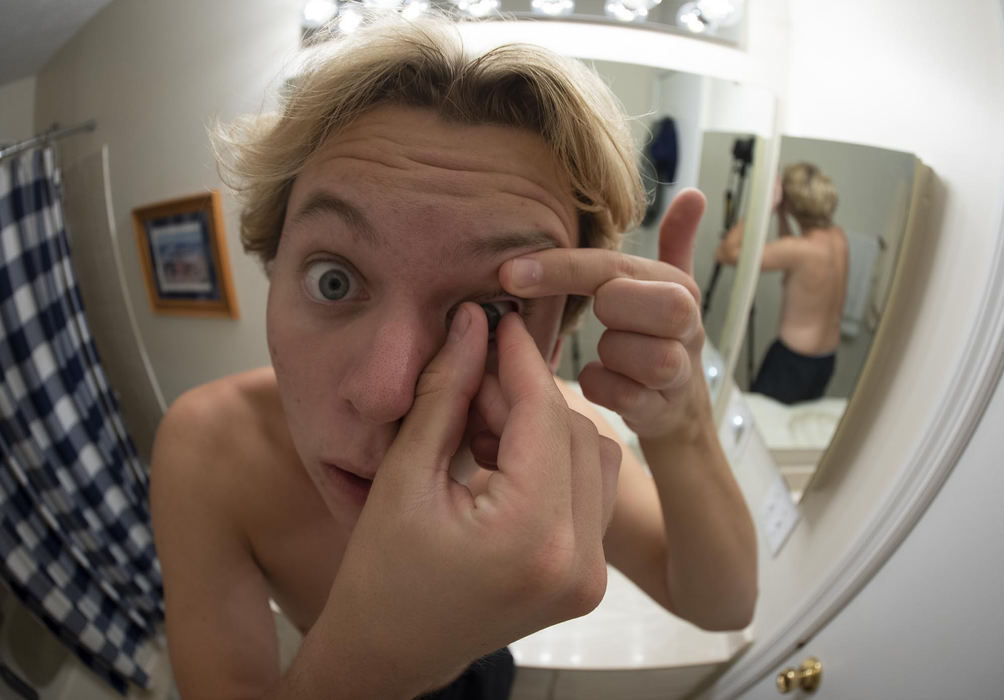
(208, 458)
(228, 406)
(216, 439)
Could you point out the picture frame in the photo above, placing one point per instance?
(182, 249)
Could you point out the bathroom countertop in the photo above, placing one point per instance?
(627, 631)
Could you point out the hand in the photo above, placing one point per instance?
(650, 354)
(434, 577)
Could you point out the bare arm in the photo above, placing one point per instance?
(783, 226)
(731, 246)
(687, 539)
(220, 630)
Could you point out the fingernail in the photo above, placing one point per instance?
(461, 322)
(526, 272)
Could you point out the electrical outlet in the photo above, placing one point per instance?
(778, 514)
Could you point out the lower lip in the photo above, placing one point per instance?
(356, 487)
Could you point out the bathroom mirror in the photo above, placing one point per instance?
(811, 327)
(692, 117)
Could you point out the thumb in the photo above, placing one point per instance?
(678, 231)
(431, 431)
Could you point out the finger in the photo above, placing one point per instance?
(432, 430)
(533, 444)
(678, 231)
(663, 309)
(610, 466)
(587, 482)
(578, 271)
(636, 403)
(485, 449)
(662, 364)
(523, 375)
(491, 404)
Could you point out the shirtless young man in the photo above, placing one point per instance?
(423, 217)
(800, 362)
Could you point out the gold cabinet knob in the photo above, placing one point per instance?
(808, 676)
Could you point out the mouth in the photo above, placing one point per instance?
(354, 486)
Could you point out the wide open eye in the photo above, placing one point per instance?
(329, 281)
(495, 310)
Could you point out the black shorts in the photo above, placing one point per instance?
(791, 377)
(488, 678)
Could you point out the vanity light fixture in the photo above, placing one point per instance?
(333, 18)
(629, 10)
(722, 13)
(350, 17)
(690, 17)
(702, 16)
(477, 8)
(317, 13)
(552, 8)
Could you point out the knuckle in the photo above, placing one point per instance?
(699, 336)
(670, 361)
(587, 590)
(625, 266)
(632, 395)
(693, 290)
(681, 309)
(434, 380)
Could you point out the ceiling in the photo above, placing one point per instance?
(32, 31)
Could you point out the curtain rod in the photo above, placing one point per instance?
(51, 135)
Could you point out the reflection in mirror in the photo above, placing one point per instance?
(838, 225)
(701, 114)
(725, 174)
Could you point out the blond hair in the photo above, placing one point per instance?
(809, 195)
(424, 63)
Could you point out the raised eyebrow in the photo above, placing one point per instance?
(327, 203)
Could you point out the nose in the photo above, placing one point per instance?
(390, 354)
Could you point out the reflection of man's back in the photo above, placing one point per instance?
(812, 302)
(799, 364)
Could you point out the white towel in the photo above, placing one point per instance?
(863, 252)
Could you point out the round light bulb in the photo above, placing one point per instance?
(629, 10)
(316, 13)
(690, 17)
(552, 8)
(349, 19)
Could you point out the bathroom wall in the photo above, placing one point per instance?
(17, 110)
(154, 75)
(912, 78)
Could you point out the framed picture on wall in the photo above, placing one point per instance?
(184, 256)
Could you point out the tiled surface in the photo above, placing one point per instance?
(627, 631)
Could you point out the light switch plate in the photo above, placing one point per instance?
(778, 514)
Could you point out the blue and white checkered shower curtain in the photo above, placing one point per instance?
(75, 537)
